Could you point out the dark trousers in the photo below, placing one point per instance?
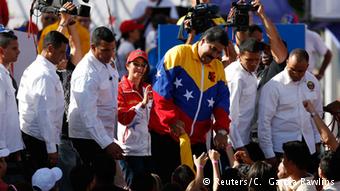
(36, 152)
(134, 166)
(88, 150)
(165, 155)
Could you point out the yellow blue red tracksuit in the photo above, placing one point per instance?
(187, 90)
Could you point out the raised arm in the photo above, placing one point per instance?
(67, 25)
(326, 135)
(278, 49)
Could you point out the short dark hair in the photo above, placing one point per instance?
(6, 38)
(102, 33)
(330, 166)
(216, 34)
(253, 28)
(251, 45)
(55, 38)
(262, 172)
(300, 54)
(298, 153)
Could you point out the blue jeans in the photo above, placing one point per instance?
(132, 166)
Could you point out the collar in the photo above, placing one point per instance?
(239, 64)
(331, 185)
(194, 49)
(2, 67)
(128, 86)
(45, 62)
(98, 65)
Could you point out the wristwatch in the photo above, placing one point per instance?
(312, 114)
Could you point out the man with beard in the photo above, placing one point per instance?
(189, 88)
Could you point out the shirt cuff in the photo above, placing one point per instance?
(138, 107)
(105, 141)
(268, 153)
(51, 147)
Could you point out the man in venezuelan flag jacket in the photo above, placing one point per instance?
(188, 90)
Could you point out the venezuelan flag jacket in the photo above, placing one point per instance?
(185, 89)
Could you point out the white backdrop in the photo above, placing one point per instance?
(120, 9)
(325, 9)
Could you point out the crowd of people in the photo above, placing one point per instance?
(214, 115)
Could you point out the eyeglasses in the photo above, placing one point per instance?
(143, 65)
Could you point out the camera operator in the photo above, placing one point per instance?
(229, 53)
(67, 154)
(83, 32)
(278, 49)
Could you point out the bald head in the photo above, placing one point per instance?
(297, 64)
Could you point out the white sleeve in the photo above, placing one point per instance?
(319, 44)
(267, 108)
(235, 88)
(44, 96)
(319, 110)
(139, 9)
(2, 113)
(85, 91)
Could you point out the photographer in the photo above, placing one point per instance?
(201, 17)
(278, 49)
(83, 32)
(67, 154)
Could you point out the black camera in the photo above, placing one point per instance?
(240, 18)
(201, 16)
(54, 6)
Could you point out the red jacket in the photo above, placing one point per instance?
(133, 133)
(4, 16)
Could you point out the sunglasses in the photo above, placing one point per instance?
(143, 65)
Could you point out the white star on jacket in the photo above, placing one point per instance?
(178, 82)
(158, 74)
(188, 95)
(211, 102)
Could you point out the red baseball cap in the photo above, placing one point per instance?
(137, 54)
(130, 25)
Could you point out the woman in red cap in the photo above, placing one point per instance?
(134, 103)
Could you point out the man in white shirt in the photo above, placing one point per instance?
(282, 117)
(242, 84)
(41, 102)
(10, 135)
(92, 110)
(316, 49)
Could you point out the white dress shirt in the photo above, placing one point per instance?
(93, 102)
(10, 135)
(332, 186)
(242, 86)
(41, 103)
(315, 47)
(288, 184)
(282, 116)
